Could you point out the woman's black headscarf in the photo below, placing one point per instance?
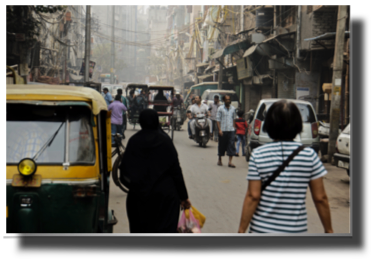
(148, 119)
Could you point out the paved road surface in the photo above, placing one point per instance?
(218, 191)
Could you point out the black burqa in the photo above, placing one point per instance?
(157, 186)
(160, 98)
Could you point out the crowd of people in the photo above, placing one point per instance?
(279, 172)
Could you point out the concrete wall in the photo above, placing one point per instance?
(317, 23)
(252, 96)
(286, 84)
(311, 81)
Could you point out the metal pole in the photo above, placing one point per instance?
(112, 47)
(337, 80)
(87, 44)
(221, 73)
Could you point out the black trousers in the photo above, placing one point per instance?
(227, 144)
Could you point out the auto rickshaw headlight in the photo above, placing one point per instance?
(27, 167)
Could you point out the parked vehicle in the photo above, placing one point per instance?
(202, 130)
(309, 135)
(342, 156)
(58, 160)
(208, 97)
(200, 88)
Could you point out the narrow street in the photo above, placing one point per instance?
(218, 191)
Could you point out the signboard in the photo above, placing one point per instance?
(91, 68)
(244, 68)
(301, 92)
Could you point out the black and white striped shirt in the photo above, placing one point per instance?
(282, 203)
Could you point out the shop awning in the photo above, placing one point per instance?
(327, 36)
(266, 48)
(205, 76)
(232, 48)
(201, 64)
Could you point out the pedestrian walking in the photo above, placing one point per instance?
(213, 109)
(124, 115)
(117, 109)
(107, 96)
(280, 206)
(225, 118)
(241, 126)
(156, 189)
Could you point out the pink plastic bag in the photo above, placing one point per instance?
(190, 225)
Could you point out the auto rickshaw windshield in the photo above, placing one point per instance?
(30, 128)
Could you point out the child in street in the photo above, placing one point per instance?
(240, 125)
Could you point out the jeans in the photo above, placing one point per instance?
(114, 130)
(240, 138)
(215, 130)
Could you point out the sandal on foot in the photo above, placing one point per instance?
(220, 164)
(231, 165)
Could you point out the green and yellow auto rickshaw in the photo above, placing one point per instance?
(58, 160)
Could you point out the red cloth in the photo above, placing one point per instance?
(240, 125)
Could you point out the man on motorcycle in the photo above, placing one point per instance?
(198, 108)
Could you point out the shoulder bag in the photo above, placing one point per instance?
(282, 167)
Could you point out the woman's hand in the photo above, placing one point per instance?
(185, 204)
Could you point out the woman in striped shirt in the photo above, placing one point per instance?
(281, 206)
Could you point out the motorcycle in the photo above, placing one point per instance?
(202, 130)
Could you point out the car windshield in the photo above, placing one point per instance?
(29, 128)
(233, 96)
(306, 111)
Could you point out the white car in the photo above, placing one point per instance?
(342, 156)
(308, 137)
(208, 97)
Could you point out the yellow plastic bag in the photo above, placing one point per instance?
(198, 215)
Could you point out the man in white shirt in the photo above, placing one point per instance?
(199, 108)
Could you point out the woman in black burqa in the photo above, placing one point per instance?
(156, 187)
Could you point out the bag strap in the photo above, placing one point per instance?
(282, 167)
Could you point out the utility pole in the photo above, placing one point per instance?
(112, 47)
(87, 44)
(337, 80)
(220, 84)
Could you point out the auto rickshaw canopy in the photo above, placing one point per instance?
(57, 92)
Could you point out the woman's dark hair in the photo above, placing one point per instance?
(240, 113)
(118, 97)
(105, 89)
(119, 91)
(283, 121)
